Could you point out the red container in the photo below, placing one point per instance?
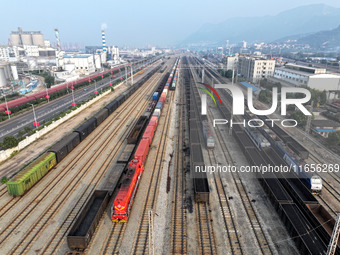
(153, 121)
(149, 132)
(142, 150)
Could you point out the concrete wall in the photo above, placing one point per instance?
(30, 139)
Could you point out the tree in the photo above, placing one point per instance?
(334, 138)
(4, 180)
(9, 142)
(299, 117)
(265, 96)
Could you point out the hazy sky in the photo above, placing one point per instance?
(131, 23)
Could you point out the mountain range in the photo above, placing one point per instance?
(303, 21)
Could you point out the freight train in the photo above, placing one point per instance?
(36, 170)
(88, 218)
(123, 201)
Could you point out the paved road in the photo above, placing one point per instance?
(47, 111)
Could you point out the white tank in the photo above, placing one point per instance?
(3, 81)
(38, 39)
(27, 39)
(14, 72)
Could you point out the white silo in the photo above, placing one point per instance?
(3, 81)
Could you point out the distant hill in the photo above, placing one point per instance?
(300, 20)
(328, 38)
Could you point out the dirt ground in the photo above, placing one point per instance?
(12, 165)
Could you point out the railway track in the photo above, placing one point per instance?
(234, 244)
(50, 211)
(178, 237)
(206, 239)
(8, 205)
(329, 188)
(254, 221)
(141, 242)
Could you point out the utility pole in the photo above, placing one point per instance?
(309, 119)
(335, 237)
(203, 75)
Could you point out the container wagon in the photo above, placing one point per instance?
(24, 180)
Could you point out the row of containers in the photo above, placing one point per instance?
(31, 174)
(124, 175)
(306, 220)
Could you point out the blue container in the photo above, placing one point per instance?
(155, 96)
(159, 105)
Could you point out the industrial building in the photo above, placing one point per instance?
(255, 68)
(315, 78)
(20, 38)
(82, 63)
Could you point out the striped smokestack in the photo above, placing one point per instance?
(104, 40)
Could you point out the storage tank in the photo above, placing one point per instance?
(15, 39)
(14, 72)
(3, 81)
(38, 39)
(26, 39)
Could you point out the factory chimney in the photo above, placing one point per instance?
(104, 40)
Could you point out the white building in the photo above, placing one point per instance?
(315, 78)
(231, 62)
(255, 68)
(83, 63)
(8, 53)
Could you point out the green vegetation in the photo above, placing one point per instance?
(228, 74)
(4, 180)
(334, 138)
(299, 117)
(265, 83)
(265, 96)
(49, 80)
(9, 142)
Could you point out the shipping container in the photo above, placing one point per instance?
(31, 174)
(155, 96)
(149, 132)
(142, 150)
(159, 105)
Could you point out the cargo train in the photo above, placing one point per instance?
(36, 170)
(123, 201)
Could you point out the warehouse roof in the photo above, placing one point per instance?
(247, 85)
(325, 123)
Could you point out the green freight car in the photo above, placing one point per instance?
(31, 174)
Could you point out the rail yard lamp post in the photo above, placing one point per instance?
(73, 102)
(35, 123)
(8, 112)
(47, 96)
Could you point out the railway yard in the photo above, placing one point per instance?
(122, 179)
